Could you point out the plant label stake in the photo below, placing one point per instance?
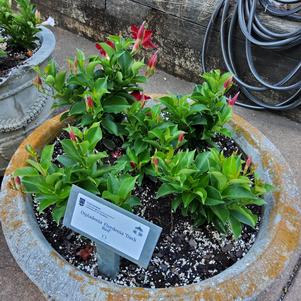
(116, 231)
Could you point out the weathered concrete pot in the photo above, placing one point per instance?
(22, 107)
(260, 275)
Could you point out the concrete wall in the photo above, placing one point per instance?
(179, 27)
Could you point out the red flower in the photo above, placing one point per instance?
(155, 163)
(142, 37)
(89, 103)
(133, 164)
(153, 60)
(101, 50)
(151, 65)
(248, 162)
(232, 101)
(72, 135)
(17, 180)
(228, 83)
(140, 96)
(181, 137)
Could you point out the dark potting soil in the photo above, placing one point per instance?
(15, 57)
(184, 254)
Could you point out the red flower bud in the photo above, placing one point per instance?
(89, 102)
(232, 101)
(181, 137)
(133, 164)
(155, 162)
(141, 30)
(151, 65)
(153, 60)
(72, 135)
(17, 180)
(248, 162)
(228, 83)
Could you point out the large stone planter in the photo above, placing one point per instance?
(260, 275)
(22, 107)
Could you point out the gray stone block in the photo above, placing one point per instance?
(179, 31)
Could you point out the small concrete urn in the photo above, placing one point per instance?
(22, 107)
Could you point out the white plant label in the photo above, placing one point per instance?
(109, 226)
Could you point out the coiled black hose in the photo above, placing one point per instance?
(255, 32)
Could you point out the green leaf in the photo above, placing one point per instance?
(100, 86)
(91, 67)
(70, 149)
(78, 108)
(125, 60)
(37, 166)
(245, 216)
(47, 202)
(58, 213)
(218, 180)
(115, 104)
(234, 192)
(139, 146)
(232, 167)
(202, 193)
(66, 161)
(126, 186)
(221, 212)
(236, 227)
(89, 185)
(137, 65)
(165, 189)
(107, 195)
(60, 80)
(93, 135)
(26, 171)
(202, 161)
(133, 201)
(187, 198)
(175, 203)
(110, 126)
(213, 193)
(53, 178)
(213, 202)
(107, 48)
(46, 156)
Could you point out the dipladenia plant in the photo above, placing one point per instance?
(103, 86)
(170, 143)
(81, 164)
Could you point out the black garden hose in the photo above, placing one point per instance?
(255, 32)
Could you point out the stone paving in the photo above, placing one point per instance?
(285, 134)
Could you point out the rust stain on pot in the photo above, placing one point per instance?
(243, 127)
(57, 258)
(76, 276)
(15, 225)
(117, 297)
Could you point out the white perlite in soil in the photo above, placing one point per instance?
(183, 255)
